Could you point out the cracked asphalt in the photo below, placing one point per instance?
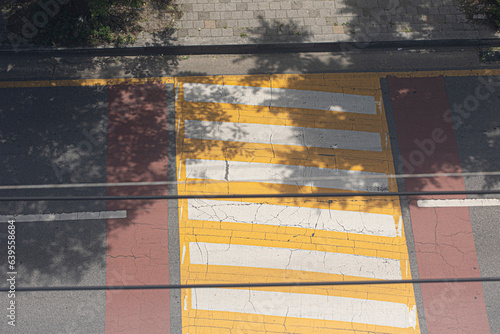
(252, 134)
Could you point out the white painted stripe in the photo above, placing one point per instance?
(309, 306)
(283, 135)
(293, 259)
(447, 203)
(275, 173)
(48, 217)
(278, 215)
(279, 97)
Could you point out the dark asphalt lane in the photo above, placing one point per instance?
(43, 141)
(476, 115)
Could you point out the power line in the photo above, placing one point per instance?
(240, 196)
(164, 183)
(256, 285)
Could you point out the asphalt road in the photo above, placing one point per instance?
(48, 135)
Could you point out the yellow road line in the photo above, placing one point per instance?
(200, 321)
(357, 83)
(84, 82)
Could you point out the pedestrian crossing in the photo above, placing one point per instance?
(286, 134)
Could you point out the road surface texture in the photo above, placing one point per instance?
(240, 134)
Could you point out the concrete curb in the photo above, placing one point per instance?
(252, 48)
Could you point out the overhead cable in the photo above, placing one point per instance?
(257, 285)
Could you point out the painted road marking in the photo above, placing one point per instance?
(85, 82)
(307, 306)
(447, 203)
(279, 97)
(249, 137)
(283, 135)
(279, 215)
(48, 217)
(242, 171)
(294, 259)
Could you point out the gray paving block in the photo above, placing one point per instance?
(205, 32)
(204, 15)
(226, 15)
(191, 16)
(227, 32)
(253, 6)
(274, 5)
(232, 23)
(186, 24)
(182, 33)
(444, 10)
(216, 32)
(199, 24)
(280, 14)
(241, 6)
(243, 23)
(308, 4)
(292, 13)
(221, 23)
(215, 16)
(209, 7)
(198, 7)
(271, 14)
(431, 10)
(230, 7)
(236, 15)
(247, 15)
(193, 32)
(220, 7)
(313, 13)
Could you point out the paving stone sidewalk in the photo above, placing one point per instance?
(223, 22)
(207, 22)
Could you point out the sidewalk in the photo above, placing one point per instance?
(233, 22)
(219, 22)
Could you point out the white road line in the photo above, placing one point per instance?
(275, 173)
(293, 259)
(448, 203)
(48, 217)
(279, 97)
(283, 135)
(278, 215)
(307, 306)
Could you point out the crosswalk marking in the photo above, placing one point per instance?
(277, 173)
(305, 306)
(283, 135)
(294, 259)
(279, 97)
(279, 215)
(250, 134)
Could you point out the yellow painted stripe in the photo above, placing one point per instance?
(200, 321)
(85, 82)
(294, 234)
(385, 205)
(323, 244)
(199, 274)
(355, 83)
(312, 118)
(285, 155)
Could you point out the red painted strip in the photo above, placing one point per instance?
(137, 249)
(444, 241)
